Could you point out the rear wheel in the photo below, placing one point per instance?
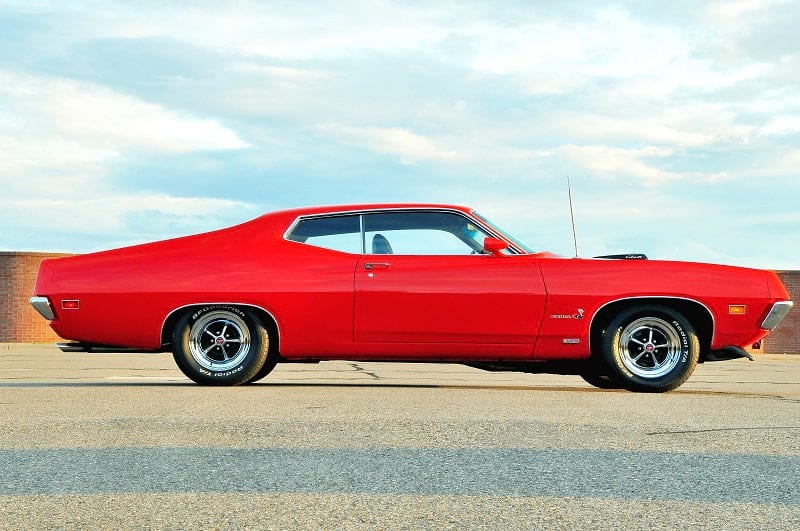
(272, 357)
(651, 348)
(220, 345)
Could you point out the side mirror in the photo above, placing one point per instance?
(495, 246)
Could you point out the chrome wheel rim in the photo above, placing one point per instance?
(219, 341)
(650, 347)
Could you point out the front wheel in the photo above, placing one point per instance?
(651, 348)
(220, 345)
(598, 379)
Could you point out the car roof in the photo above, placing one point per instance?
(363, 207)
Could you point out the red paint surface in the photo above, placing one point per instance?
(414, 307)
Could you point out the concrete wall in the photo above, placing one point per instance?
(20, 323)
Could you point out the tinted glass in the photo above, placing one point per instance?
(421, 233)
(339, 233)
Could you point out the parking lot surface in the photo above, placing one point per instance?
(126, 441)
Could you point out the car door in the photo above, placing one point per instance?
(424, 288)
(314, 298)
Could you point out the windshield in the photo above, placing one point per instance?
(504, 234)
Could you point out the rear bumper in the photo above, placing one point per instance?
(776, 315)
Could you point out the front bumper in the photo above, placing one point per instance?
(776, 315)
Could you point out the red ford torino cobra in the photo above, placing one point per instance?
(407, 282)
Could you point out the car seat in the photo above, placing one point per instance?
(380, 245)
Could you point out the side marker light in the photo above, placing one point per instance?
(70, 305)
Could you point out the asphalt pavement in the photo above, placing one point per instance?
(125, 441)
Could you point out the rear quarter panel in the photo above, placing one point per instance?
(126, 294)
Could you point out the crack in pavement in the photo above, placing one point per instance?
(709, 430)
(359, 368)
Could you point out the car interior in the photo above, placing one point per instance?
(380, 245)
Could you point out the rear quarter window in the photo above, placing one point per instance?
(337, 233)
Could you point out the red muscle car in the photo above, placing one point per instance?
(410, 282)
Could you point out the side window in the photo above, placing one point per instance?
(338, 233)
(421, 233)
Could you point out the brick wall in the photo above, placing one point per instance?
(19, 322)
(786, 338)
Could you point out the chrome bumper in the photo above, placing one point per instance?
(42, 305)
(776, 315)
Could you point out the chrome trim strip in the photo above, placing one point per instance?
(713, 320)
(42, 305)
(363, 234)
(776, 314)
(361, 213)
(277, 323)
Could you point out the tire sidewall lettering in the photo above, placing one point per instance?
(206, 372)
(216, 307)
(684, 341)
(228, 373)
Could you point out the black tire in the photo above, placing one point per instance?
(650, 348)
(220, 344)
(272, 357)
(599, 380)
(265, 370)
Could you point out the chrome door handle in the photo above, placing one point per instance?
(376, 265)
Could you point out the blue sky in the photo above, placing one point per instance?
(678, 123)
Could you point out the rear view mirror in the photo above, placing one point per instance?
(494, 245)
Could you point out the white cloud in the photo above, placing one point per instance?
(661, 131)
(59, 142)
(678, 126)
(525, 47)
(109, 119)
(408, 146)
(781, 125)
(609, 46)
(40, 163)
(785, 164)
(552, 84)
(107, 217)
(285, 73)
(61, 137)
(293, 32)
(699, 76)
(614, 162)
(736, 10)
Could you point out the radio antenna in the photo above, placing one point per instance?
(572, 217)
